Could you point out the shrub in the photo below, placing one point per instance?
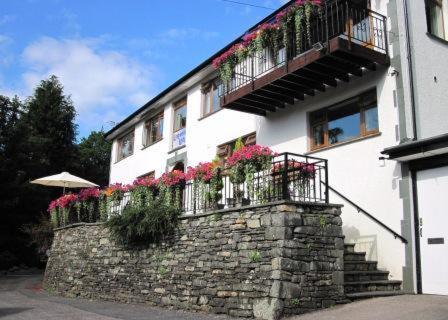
(147, 222)
(41, 236)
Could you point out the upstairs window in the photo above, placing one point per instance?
(180, 123)
(434, 18)
(210, 97)
(345, 121)
(226, 150)
(125, 146)
(154, 130)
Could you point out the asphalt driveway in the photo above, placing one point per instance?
(21, 297)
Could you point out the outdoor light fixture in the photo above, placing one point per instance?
(382, 161)
(319, 46)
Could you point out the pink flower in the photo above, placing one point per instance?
(90, 193)
(172, 178)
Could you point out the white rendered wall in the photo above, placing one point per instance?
(202, 138)
(430, 71)
(354, 168)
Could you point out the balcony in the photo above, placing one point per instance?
(342, 42)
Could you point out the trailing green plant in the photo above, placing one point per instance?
(149, 221)
(270, 35)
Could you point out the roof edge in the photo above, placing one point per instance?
(188, 75)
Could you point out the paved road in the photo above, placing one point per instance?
(21, 297)
(407, 307)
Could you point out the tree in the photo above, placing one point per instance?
(50, 117)
(37, 138)
(94, 158)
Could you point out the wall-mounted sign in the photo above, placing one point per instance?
(179, 138)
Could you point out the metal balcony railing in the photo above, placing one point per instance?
(340, 18)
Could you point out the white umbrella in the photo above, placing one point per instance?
(65, 180)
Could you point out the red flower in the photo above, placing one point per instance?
(173, 178)
(248, 153)
(203, 171)
(63, 201)
(90, 193)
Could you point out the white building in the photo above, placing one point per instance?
(345, 99)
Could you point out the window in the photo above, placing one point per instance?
(148, 176)
(180, 122)
(125, 146)
(154, 129)
(434, 18)
(345, 121)
(210, 97)
(226, 150)
(180, 115)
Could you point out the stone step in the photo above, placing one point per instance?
(354, 256)
(349, 247)
(360, 265)
(369, 286)
(372, 294)
(350, 276)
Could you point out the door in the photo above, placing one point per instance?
(432, 193)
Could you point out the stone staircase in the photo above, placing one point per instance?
(363, 280)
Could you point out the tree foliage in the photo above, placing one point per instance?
(38, 138)
(94, 158)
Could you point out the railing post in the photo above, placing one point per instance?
(349, 25)
(327, 194)
(326, 27)
(252, 70)
(285, 191)
(384, 31)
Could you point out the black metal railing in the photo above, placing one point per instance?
(338, 18)
(299, 182)
(365, 212)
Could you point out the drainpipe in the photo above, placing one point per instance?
(410, 69)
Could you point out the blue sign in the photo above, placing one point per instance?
(179, 138)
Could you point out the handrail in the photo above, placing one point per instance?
(359, 209)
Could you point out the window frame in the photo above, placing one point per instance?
(209, 87)
(150, 174)
(120, 145)
(227, 149)
(179, 104)
(438, 3)
(160, 117)
(363, 105)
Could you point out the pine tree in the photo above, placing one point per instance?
(50, 117)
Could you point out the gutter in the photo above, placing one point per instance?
(410, 70)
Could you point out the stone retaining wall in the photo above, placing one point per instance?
(261, 261)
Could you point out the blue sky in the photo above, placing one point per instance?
(113, 56)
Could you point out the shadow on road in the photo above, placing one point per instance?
(10, 311)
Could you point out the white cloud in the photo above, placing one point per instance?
(105, 85)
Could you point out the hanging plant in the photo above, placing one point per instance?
(207, 181)
(268, 35)
(298, 23)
